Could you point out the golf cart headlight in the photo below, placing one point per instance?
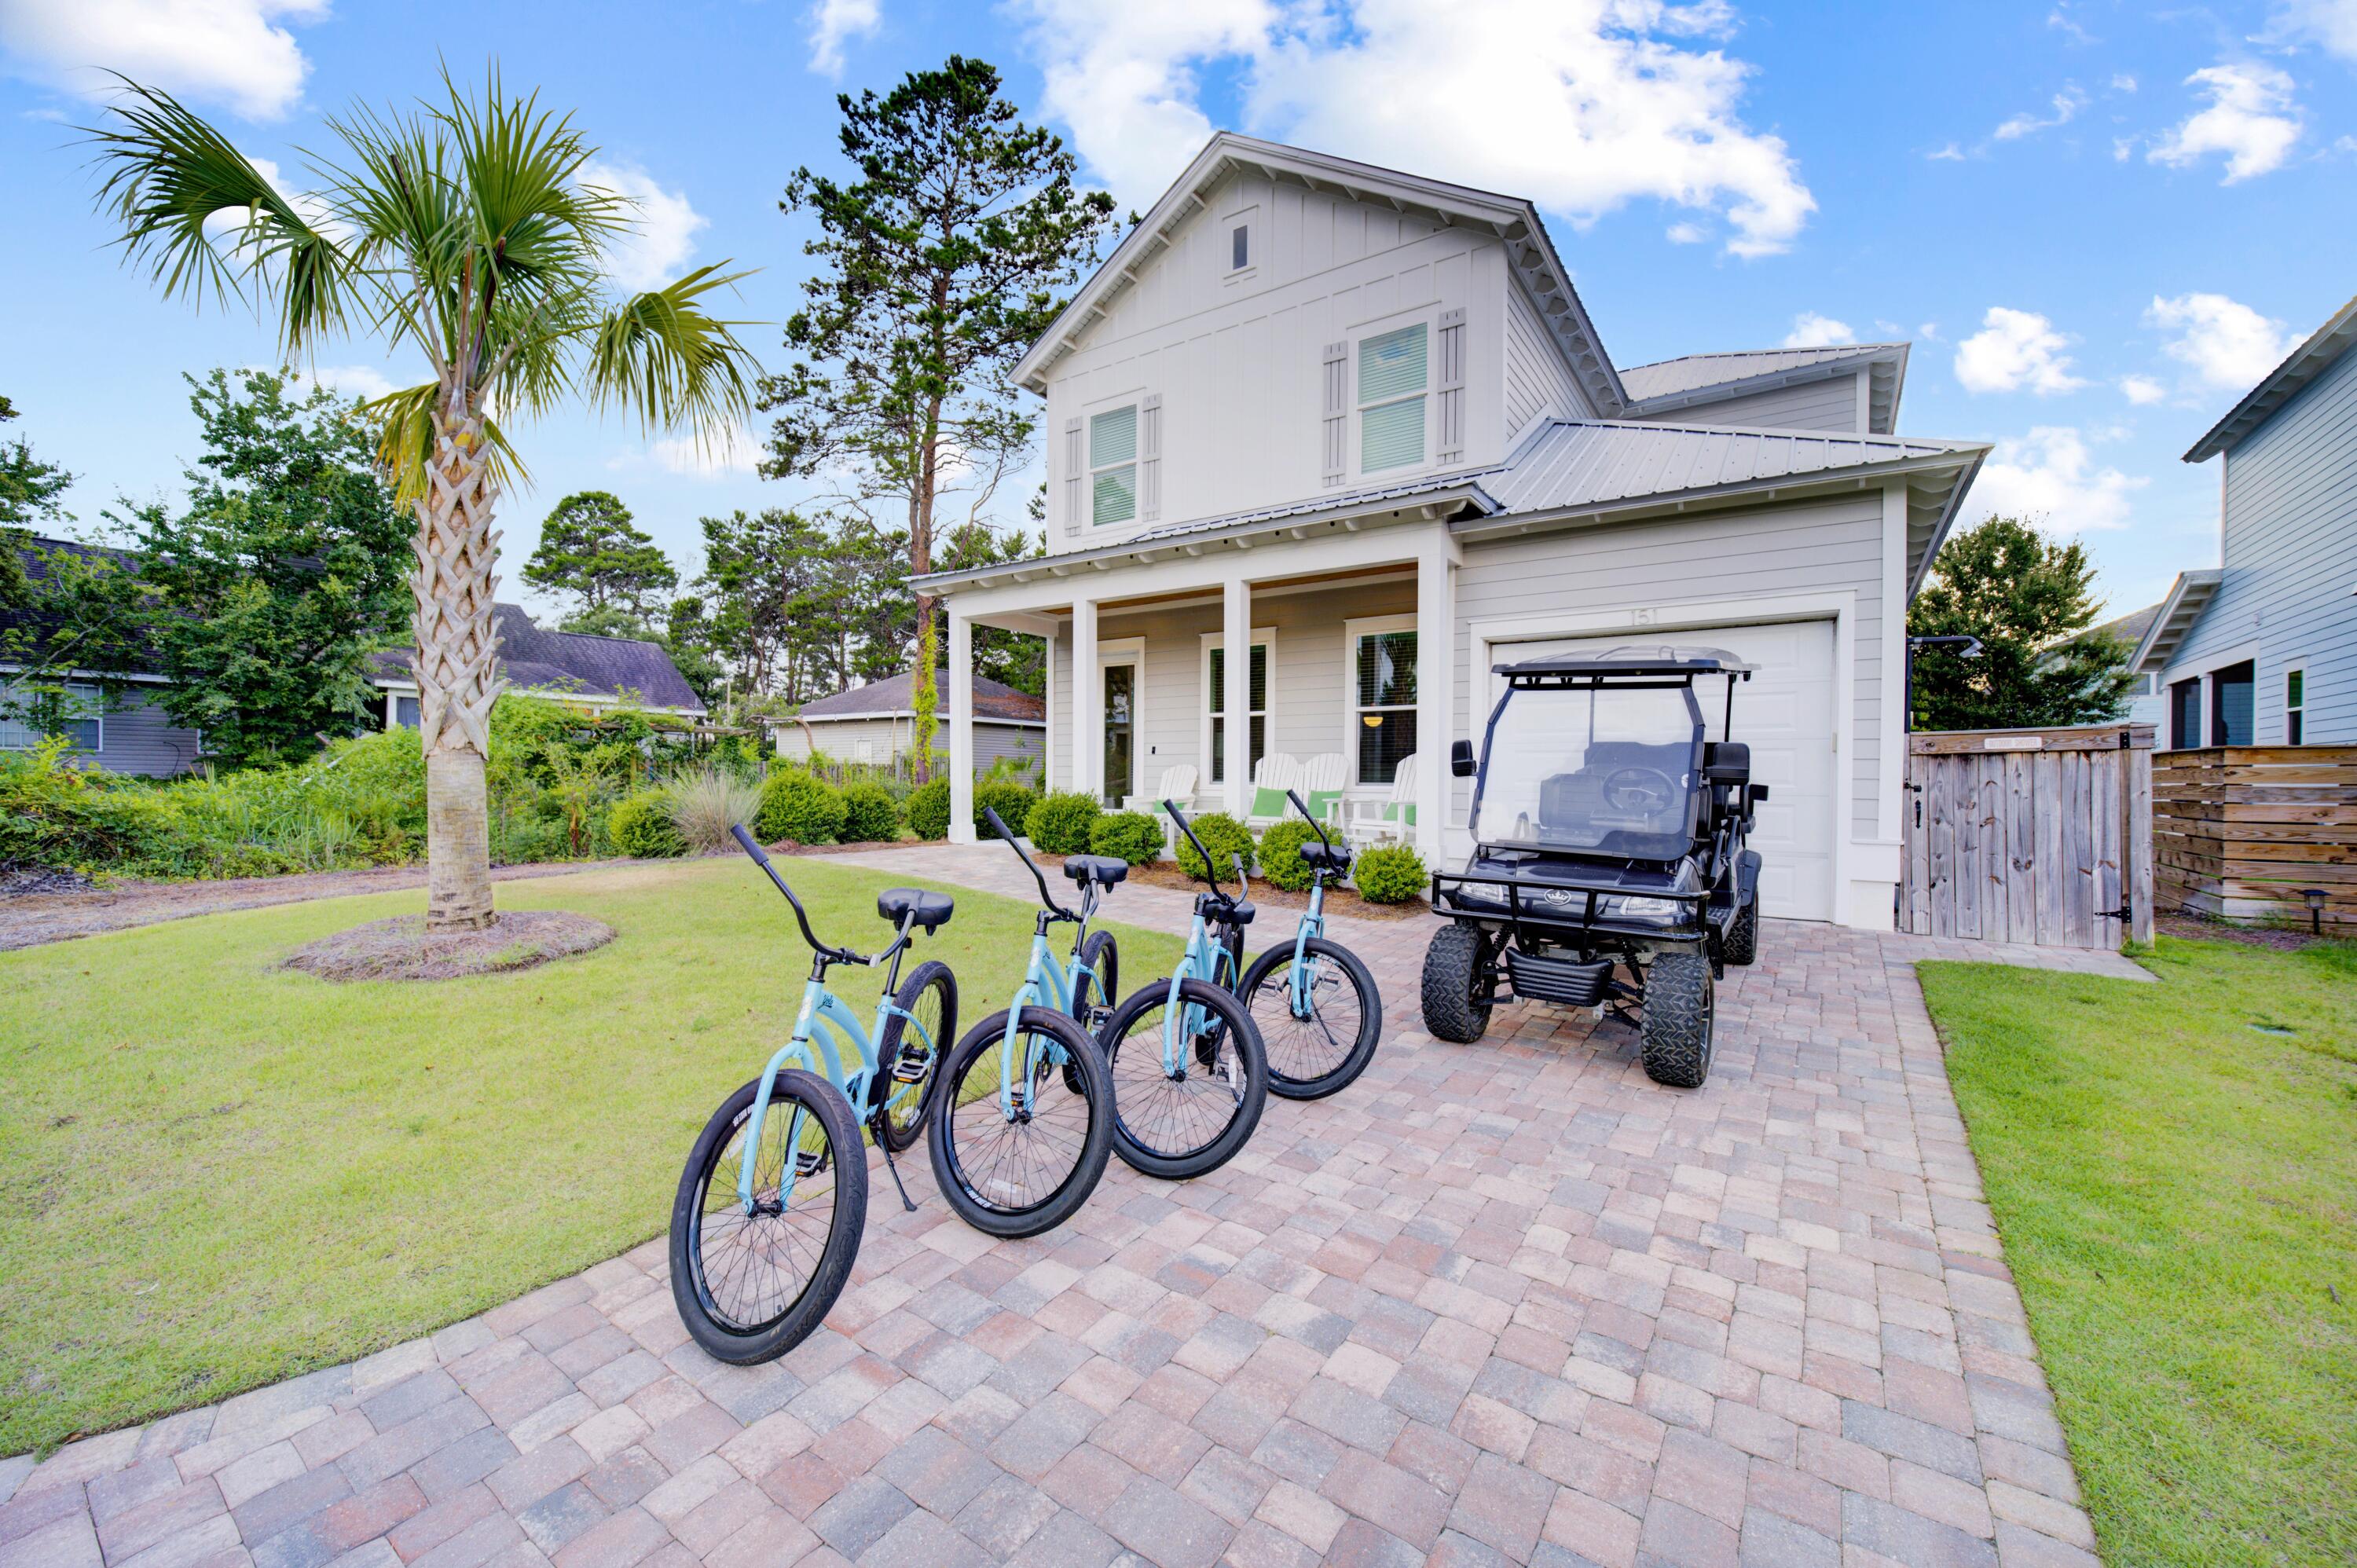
(1640, 908)
(1481, 892)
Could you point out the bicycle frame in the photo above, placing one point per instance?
(1203, 960)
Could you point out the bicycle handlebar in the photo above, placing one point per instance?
(1299, 806)
(998, 825)
(746, 841)
(1210, 866)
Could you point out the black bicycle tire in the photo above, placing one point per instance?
(1248, 1046)
(1371, 1019)
(888, 1046)
(1105, 976)
(1087, 1065)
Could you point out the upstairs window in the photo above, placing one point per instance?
(1394, 372)
(2296, 707)
(1239, 247)
(1112, 465)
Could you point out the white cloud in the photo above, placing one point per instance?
(2142, 390)
(2123, 82)
(2060, 20)
(658, 252)
(736, 452)
(1951, 154)
(1687, 234)
(2067, 104)
(1811, 331)
(2223, 342)
(2016, 348)
(833, 23)
(2251, 119)
(2331, 23)
(353, 381)
(220, 51)
(2049, 477)
(1585, 104)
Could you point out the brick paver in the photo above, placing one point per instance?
(1506, 1302)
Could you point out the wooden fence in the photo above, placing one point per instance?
(2041, 836)
(2242, 829)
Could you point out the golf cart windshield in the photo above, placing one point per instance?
(1600, 769)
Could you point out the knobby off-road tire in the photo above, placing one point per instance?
(1681, 1013)
(1742, 944)
(1310, 1058)
(1456, 981)
(751, 1288)
(931, 993)
(1018, 1179)
(1174, 1128)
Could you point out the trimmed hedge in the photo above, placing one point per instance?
(1133, 836)
(869, 814)
(1060, 823)
(1013, 802)
(929, 810)
(1223, 836)
(641, 828)
(798, 808)
(1281, 864)
(1390, 874)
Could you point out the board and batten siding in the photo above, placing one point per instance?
(1736, 556)
(2289, 553)
(1236, 358)
(1538, 384)
(1828, 404)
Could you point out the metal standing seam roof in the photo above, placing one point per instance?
(1575, 463)
(1692, 372)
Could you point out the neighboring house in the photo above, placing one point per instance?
(136, 736)
(1359, 422)
(2262, 649)
(573, 666)
(877, 724)
(2144, 704)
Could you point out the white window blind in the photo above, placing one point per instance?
(1112, 465)
(1393, 373)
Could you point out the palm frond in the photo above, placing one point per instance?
(403, 425)
(662, 356)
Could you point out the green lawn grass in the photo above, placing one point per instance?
(214, 1174)
(2176, 1191)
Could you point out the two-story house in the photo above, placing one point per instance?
(1358, 424)
(2261, 650)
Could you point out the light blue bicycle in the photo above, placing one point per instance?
(774, 1195)
(1315, 1002)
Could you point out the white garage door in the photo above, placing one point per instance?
(1785, 713)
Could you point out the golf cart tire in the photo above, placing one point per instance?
(1742, 944)
(1679, 1016)
(1454, 972)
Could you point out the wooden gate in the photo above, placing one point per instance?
(2037, 835)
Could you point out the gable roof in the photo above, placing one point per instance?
(2172, 619)
(1695, 379)
(891, 698)
(1528, 251)
(26, 631)
(2283, 383)
(558, 663)
(2128, 629)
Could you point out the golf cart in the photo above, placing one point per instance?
(1609, 867)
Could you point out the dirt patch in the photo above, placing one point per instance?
(400, 948)
(2277, 939)
(1267, 896)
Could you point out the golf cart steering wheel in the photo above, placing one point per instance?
(1640, 792)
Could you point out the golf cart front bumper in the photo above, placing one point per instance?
(1568, 911)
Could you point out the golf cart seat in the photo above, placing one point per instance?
(1104, 870)
(1335, 858)
(929, 910)
(1727, 762)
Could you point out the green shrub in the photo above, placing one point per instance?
(1012, 802)
(52, 813)
(798, 808)
(1060, 822)
(868, 814)
(1224, 837)
(1392, 874)
(929, 810)
(1132, 837)
(640, 826)
(707, 802)
(1281, 864)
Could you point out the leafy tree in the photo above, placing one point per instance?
(29, 489)
(1015, 657)
(592, 553)
(937, 266)
(462, 230)
(2026, 596)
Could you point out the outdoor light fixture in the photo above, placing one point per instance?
(2316, 897)
(1965, 647)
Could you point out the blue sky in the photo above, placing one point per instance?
(2098, 223)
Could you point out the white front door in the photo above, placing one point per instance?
(1785, 713)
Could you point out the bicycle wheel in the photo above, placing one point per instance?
(1175, 1115)
(908, 1056)
(750, 1287)
(1311, 1055)
(1094, 998)
(1020, 1174)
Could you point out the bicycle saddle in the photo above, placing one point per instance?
(932, 910)
(1104, 870)
(1334, 858)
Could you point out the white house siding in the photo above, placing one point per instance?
(888, 738)
(1830, 404)
(1237, 360)
(2290, 563)
(1537, 383)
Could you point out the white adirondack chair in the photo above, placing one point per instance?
(1391, 819)
(1265, 802)
(1322, 780)
(1176, 785)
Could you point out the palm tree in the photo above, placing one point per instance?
(464, 229)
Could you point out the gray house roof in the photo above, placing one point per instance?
(568, 662)
(1698, 379)
(2283, 383)
(2173, 618)
(890, 698)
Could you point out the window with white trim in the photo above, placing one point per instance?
(1112, 465)
(1394, 373)
(30, 713)
(1215, 690)
(2296, 707)
(1383, 699)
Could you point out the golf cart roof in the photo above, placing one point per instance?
(1655, 660)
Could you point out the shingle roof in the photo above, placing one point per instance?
(992, 700)
(24, 626)
(1689, 373)
(535, 659)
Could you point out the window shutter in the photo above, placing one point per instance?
(1149, 458)
(1337, 391)
(1074, 472)
(1452, 386)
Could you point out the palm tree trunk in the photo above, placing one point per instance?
(456, 668)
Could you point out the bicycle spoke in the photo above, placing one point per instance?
(1175, 1114)
(754, 1268)
(1306, 1048)
(1016, 1164)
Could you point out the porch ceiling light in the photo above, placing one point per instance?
(1372, 721)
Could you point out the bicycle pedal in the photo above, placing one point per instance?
(911, 1069)
(809, 1162)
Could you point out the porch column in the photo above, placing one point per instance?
(1235, 638)
(1435, 685)
(1088, 699)
(961, 684)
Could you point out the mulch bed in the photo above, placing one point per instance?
(398, 948)
(1267, 896)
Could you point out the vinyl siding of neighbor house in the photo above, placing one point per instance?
(1237, 358)
(888, 738)
(142, 739)
(1538, 384)
(2289, 554)
(1828, 404)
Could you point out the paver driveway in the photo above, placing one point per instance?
(1506, 1302)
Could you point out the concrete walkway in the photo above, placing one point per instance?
(1509, 1302)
